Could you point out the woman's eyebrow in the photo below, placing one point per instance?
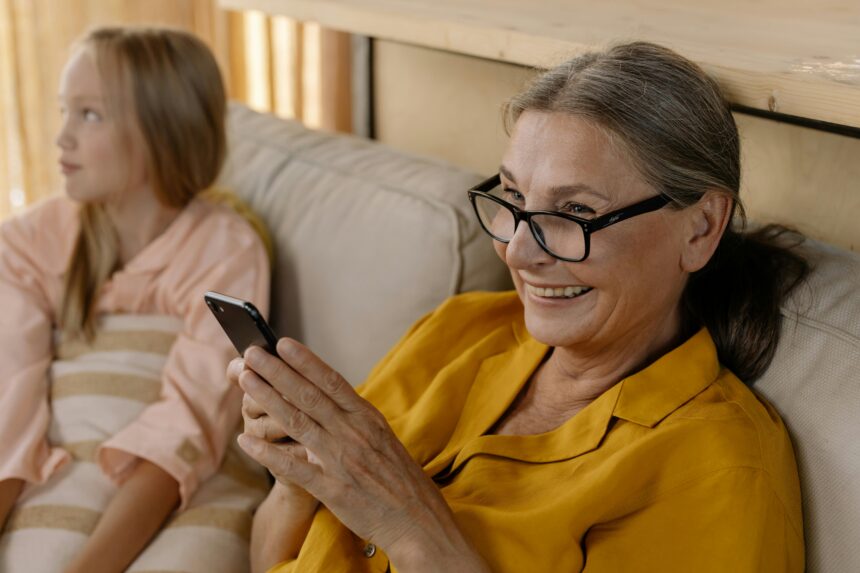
(576, 188)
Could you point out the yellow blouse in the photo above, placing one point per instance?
(679, 467)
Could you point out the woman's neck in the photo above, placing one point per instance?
(579, 376)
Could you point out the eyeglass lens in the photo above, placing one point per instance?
(562, 237)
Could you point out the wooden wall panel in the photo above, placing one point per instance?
(447, 105)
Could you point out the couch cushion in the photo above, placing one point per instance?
(367, 239)
(814, 382)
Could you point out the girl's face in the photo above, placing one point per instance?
(97, 163)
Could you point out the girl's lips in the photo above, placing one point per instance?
(68, 168)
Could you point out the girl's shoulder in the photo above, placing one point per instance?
(207, 237)
(52, 215)
(223, 225)
(218, 213)
(46, 231)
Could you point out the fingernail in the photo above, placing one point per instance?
(288, 348)
(247, 382)
(246, 443)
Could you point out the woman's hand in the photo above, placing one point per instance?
(346, 456)
(282, 521)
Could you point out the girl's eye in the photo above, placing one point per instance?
(513, 196)
(577, 209)
(91, 115)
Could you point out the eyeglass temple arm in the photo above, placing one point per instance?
(645, 206)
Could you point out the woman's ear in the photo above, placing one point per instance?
(705, 223)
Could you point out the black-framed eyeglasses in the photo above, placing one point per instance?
(564, 236)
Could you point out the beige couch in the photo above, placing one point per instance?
(369, 239)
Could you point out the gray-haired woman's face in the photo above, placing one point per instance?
(633, 276)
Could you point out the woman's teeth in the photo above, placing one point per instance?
(559, 292)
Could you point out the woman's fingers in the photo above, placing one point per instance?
(293, 421)
(259, 424)
(266, 429)
(287, 462)
(307, 395)
(250, 408)
(311, 367)
(234, 369)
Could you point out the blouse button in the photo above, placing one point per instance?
(369, 550)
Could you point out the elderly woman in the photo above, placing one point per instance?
(593, 420)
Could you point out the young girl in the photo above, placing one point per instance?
(115, 408)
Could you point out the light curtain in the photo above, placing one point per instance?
(271, 63)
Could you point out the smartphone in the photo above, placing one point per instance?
(243, 323)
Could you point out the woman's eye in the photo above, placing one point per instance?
(513, 196)
(577, 209)
(91, 115)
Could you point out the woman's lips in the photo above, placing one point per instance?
(566, 292)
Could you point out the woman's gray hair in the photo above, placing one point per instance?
(673, 121)
(665, 110)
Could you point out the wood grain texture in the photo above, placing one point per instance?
(448, 106)
(798, 58)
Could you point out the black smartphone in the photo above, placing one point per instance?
(243, 323)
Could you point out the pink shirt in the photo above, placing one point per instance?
(207, 247)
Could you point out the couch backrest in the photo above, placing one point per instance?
(814, 382)
(367, 239)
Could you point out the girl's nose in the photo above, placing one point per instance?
(65, 140)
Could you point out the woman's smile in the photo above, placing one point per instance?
(557, 292)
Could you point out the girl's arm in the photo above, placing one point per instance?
(9, 490)
(131, 520)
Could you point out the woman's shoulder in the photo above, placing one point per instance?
(728, 400)
(463, 320)
(477, 323)
(728, 427)
(502, 307)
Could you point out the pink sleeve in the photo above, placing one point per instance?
(186, 432)
(25, 357)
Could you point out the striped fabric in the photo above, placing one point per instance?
(95, 391)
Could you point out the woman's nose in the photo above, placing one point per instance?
(523, 250)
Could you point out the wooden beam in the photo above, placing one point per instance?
(800, 59)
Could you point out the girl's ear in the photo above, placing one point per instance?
(704, 225)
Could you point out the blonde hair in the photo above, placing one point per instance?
(165, 84)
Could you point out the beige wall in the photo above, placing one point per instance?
(447, 105)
